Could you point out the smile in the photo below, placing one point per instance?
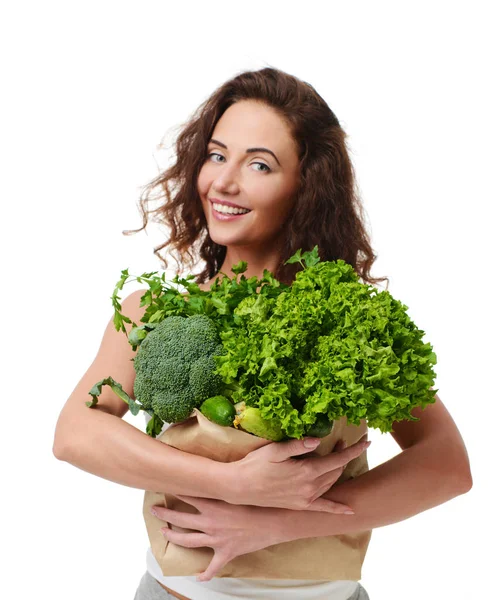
(221, 212)
(231, 210)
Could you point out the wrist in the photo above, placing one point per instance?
(225, 482)
(281, 523)
(301, 524)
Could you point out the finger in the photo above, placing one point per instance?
(324, 505)
(281, 451)
(187, 540)
(175, 517)
(325, 481)
(216, 564)
(342, 444)
(324, 464)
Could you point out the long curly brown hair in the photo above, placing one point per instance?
(328, 212)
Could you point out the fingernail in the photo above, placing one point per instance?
(311, 443)
(153, 511)
(349, 512)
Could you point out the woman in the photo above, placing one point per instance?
(262, 169)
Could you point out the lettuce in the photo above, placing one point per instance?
(327, 344)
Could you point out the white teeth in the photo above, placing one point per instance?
(230, 209)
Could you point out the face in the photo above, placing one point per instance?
(262, 181)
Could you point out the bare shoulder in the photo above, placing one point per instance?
(113, 359)
(130, 307)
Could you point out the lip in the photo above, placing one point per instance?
(226, 203)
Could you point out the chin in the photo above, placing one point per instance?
(224, 240)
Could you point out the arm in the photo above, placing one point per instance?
(97, 440)
(432, 468)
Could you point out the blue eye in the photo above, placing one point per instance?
(266, 170)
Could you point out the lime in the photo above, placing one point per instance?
(219, 409)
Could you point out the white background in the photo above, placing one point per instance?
(89, 90)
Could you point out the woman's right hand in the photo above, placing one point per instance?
(271, 477)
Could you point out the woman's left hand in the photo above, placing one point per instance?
(230, 529)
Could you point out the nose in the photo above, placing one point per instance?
(226, 180)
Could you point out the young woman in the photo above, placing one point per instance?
(262, 169)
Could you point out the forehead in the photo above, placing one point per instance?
(249, 123)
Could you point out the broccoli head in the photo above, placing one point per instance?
(175, 368)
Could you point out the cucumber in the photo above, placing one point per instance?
(219, 409)
(321, 427)
(250, 420)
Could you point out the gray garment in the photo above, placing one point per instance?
(360, 594)
(150, 589)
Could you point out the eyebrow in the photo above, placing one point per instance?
(249, 150)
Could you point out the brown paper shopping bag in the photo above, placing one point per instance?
(328, 558)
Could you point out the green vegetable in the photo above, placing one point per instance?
(175, 367)
(219, 409)
(321, 427)
(250, 420)
(175, 370)
(154, 426)
(138, 334)
(327, 345)
(304, 355)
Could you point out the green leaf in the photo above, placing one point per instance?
(122, 281)
(96, 390)
(118, 321)
(297, 257)
(311, 258)
(268, 365)
(221, 305)
(157, 316)
(240, 267)
(154, 426)
(269, 278)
